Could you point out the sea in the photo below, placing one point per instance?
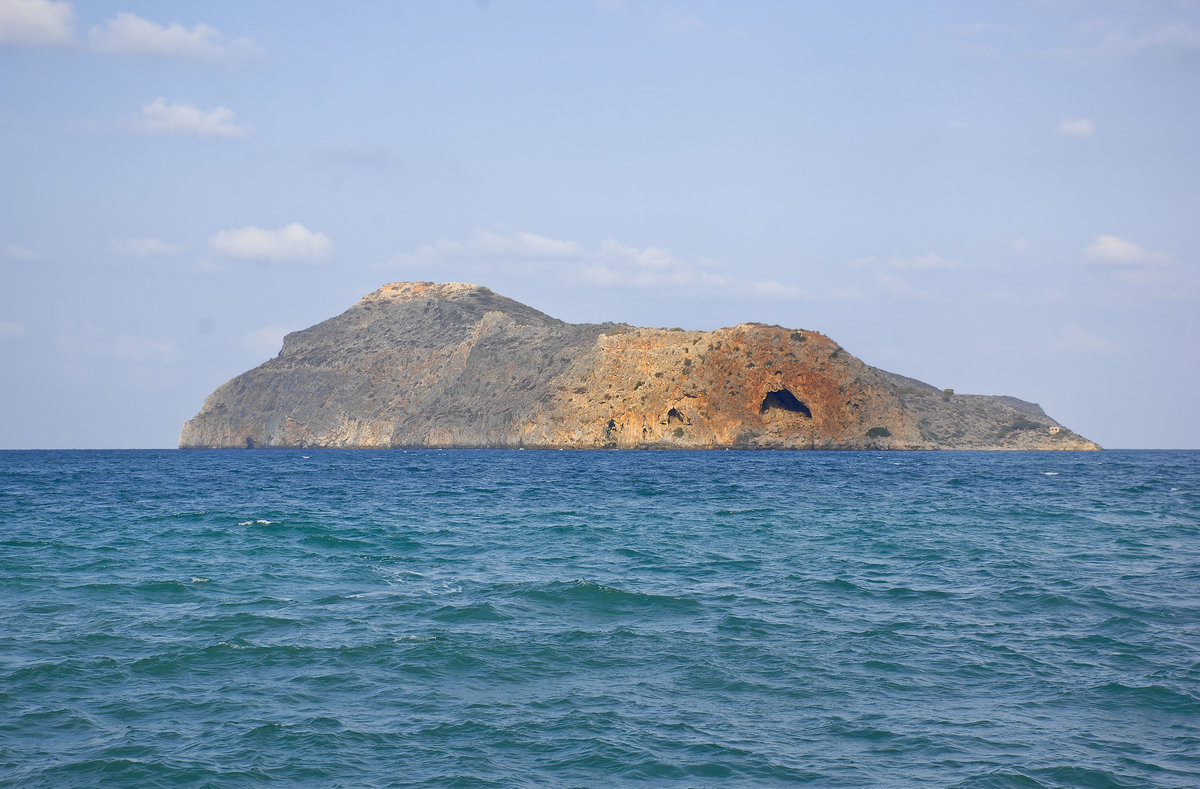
(488, 618)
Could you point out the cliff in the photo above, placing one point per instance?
(456, 365)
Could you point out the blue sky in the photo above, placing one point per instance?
(999, 198)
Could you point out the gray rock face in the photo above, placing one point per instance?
(456, 365)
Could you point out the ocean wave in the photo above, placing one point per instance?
(595, 619)
(600, 598)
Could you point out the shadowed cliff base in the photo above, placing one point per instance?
(419, 364)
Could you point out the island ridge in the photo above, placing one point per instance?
(419, 364)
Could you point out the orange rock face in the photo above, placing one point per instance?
(748, 386)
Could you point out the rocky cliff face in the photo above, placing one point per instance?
(455, 365)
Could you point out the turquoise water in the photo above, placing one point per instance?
(492, 618)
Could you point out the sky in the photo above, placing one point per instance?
(999, 198)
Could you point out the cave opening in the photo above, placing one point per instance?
(674, 417)
(784, 400)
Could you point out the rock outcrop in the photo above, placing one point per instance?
(418, 364)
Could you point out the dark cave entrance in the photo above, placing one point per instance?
(784, 400)
(674, 417)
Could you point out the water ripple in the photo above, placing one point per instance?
(459, 618)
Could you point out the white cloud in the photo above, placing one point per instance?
(524, 245)
(294, 243)
(162, 117)
(895, 285)
(888, 278)
(129, 34)
(20, 253)
(485, 246)
(1143, 273)
(656, 268)
(1076, 127)
(48, 22)
(266, 341)
(12, 329)
(36, 22)
(648, 259)
(609, 264)
(931, 261)
(145, 248)
(1073, 338)
(1114, 251)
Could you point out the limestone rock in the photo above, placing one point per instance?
(418, 364)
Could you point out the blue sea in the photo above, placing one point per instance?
(599, 619)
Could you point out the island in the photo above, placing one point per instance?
(422, 364)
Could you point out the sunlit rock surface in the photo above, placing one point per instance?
(418, 364)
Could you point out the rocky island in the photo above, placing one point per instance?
(419, 364)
